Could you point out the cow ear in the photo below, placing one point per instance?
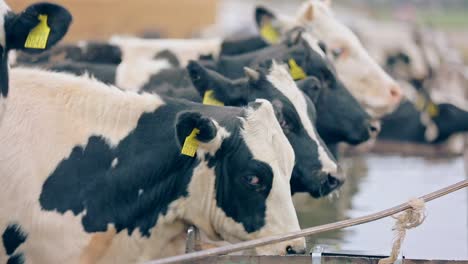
(311, 87)
(214, 88)
(307, 14)
(38, 27)
(192, 128)
(199, 76)
(268, 25)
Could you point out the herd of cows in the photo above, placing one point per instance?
(110, 150)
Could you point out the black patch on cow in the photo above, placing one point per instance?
(240, 46)
(105, 73)
(252, 217)
(169, 56)
(4, 78)
(150, 173)
(16, 259)
(97, 52)
(13, 237)
(171, 82)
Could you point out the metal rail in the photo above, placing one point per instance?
(308, 231)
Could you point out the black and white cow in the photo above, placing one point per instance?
(431, 125)
(16, 33)
(316, 171)
(365, 79)
(81, 160)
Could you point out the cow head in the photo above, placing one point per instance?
(316, 171)
(365, 79)
(450, 120)
(251, 161)
(37, 28)
(340, 117)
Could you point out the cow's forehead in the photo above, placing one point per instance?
(4, 9)
(265, 139)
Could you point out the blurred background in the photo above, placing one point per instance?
(99, 19)
(375, 182)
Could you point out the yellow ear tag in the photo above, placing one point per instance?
(270, 34)
(191, 144)
(297, 73)
(37, 38)
(432, 110)
(209, 99)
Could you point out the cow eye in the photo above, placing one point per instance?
(337, 52)
(253, 181)
(284, 124)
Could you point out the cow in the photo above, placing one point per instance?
(94, 173)
(365, 79)
(425, 122)
(37, 28)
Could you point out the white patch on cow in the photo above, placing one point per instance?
(432, 131)
(133, 74)
(184, 49)
(82, 44)
(281, 80)
(140, 192)
(114, 163)
(12, 56)
(3, 106)
(4, 8)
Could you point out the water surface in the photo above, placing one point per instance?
(378, 182)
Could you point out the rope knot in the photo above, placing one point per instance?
(409, 219)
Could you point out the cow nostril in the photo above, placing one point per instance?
(333, 182)
(290, 250)
(395, 93)
(374, 127)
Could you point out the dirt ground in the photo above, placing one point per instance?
(98, 19)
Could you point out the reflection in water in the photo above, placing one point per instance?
(375, 183)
